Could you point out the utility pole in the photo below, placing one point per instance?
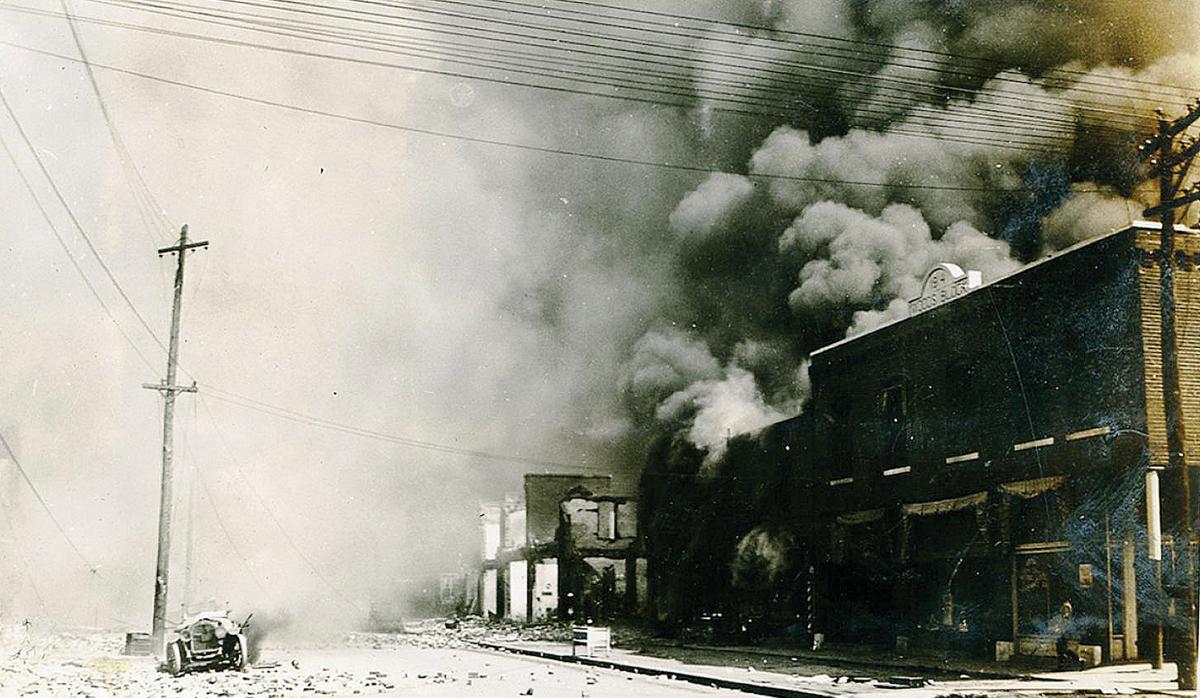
(1171, 164)
(169, 390)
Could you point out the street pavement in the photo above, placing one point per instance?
(84, 666)
(441, 665)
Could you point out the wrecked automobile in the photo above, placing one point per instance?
(209, 640)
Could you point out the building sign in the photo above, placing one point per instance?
(1086, 576)
(943, 283)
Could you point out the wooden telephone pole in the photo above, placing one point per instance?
(1171, 161)
(169, 390)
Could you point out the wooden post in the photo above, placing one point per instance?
(169, 390)
(1013, 598)
(1172, 167)
(1108, 585)
(1129, 598)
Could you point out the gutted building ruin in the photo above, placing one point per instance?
(520, 576)
(602, 571)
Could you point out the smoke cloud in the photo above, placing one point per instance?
(511, 301)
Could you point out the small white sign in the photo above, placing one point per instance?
(944, 283)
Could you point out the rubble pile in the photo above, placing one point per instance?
(459, 633)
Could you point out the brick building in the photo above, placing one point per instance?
(959, 473)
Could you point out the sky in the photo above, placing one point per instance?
(492, 299)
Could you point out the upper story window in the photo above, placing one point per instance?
(960, 407)
(606, 521)
(841, 433)
(893, 411)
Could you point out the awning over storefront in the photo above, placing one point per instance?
(944, 506)
(860, 517)
(1028, 489)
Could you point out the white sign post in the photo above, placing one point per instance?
(1153, 516)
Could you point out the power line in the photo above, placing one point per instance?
(868, 44)
(681, 167)
(691, 87)
(552, 43)
(1023, 101)
(292, 415)
(558, 43)
(271, 513)
(46, 507)
(71, 214)
(557, 40)
(662, 30)
(25, 566)
(737, 80)
(142, 196)
(212, 503)
(70, 255)
(315, 421)
(1014, 142)
(645, 47)
(1021, 108)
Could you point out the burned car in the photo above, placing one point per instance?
(210, 640)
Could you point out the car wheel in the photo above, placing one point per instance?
(239, 659)
(175, 659)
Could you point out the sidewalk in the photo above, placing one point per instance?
(924, 663)
(798, 683)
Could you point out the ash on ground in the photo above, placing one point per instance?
(429, 658)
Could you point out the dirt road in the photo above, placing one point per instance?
(91, 666)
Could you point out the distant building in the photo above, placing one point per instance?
(502, 528)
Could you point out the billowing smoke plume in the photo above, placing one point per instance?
(889, 164)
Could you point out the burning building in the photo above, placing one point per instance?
(956, 475)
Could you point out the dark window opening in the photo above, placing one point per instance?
(893, 406)
(961, 408)
(606, 521)
(842, 442)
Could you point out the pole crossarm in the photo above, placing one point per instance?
(1155, 211)
(1167, 132)
(180, 248)
(1181, 124)
(163, 387)
(1182, 156)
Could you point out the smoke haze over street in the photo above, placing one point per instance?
(520, 302)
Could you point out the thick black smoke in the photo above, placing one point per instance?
(793, 254)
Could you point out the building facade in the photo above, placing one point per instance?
(960, 473)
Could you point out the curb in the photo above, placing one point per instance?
(866, 662)
(699, 679)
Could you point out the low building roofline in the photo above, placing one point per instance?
(1134, 225)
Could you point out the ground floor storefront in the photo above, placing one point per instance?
(989, 573)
